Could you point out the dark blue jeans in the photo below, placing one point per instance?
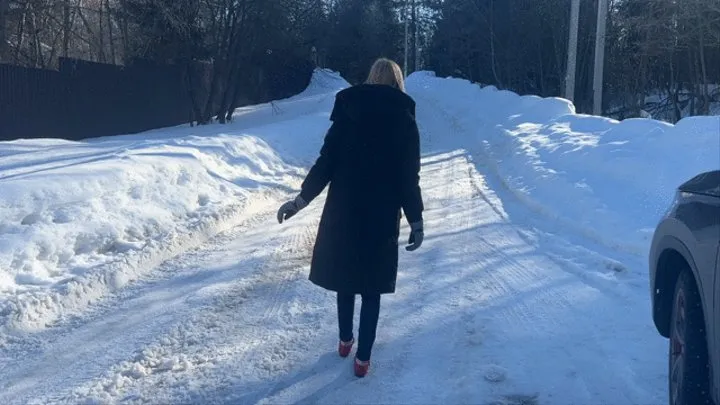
(369, 314)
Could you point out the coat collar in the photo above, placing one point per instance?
(371, 100)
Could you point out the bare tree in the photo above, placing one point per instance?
(4, 49)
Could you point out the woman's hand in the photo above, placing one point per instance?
(417, 234)
(290, 208)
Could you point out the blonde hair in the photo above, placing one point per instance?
(384, 71)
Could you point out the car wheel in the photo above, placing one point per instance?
(688, 355)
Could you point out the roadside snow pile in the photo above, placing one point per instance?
(81, 219)
(610, 180)
(323, 83)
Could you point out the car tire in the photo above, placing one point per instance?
(688, 371)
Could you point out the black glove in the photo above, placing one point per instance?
(290, 208)
(416, 236)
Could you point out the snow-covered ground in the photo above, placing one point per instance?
(81, 219)
(149, 268)
(609, 180)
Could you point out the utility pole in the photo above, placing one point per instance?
(405, 14)
(572, 51)
(599, 56)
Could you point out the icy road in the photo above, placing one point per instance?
(501, 305)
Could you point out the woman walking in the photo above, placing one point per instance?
(371, 160)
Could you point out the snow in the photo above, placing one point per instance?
(81, 219)
(609, 180)
(150, 268)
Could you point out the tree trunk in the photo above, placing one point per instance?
(225, 101)
(693, 82)
(110, 32)
(223, 53)
(238, 37)
(21, 33)
(101, 34)
(229, 80)
(705, 108)
(190, 83)
(493, 59)
(4, 48)
(672, 92)
(92, 37)
(238, 89)
(540, 78)
(640, 95)
(66, 28)
(217, 71)
(36, 43)
(122, 21)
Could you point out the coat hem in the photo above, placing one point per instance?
(352, 290)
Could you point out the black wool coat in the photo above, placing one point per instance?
(371, 160)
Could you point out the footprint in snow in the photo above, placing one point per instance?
(495, 374)
(615, 266)
(31, 219)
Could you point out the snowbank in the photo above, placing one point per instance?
(610, 180)
(81, 219)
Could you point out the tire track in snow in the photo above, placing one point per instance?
(115, 328)
(23, 320)
(230, 339)
(285, 265)
(471, 331)
(23, 345)
(125, 325)
(548, 272)
(609, 270)
(473, 194)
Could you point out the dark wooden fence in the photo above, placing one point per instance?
(84, 99)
